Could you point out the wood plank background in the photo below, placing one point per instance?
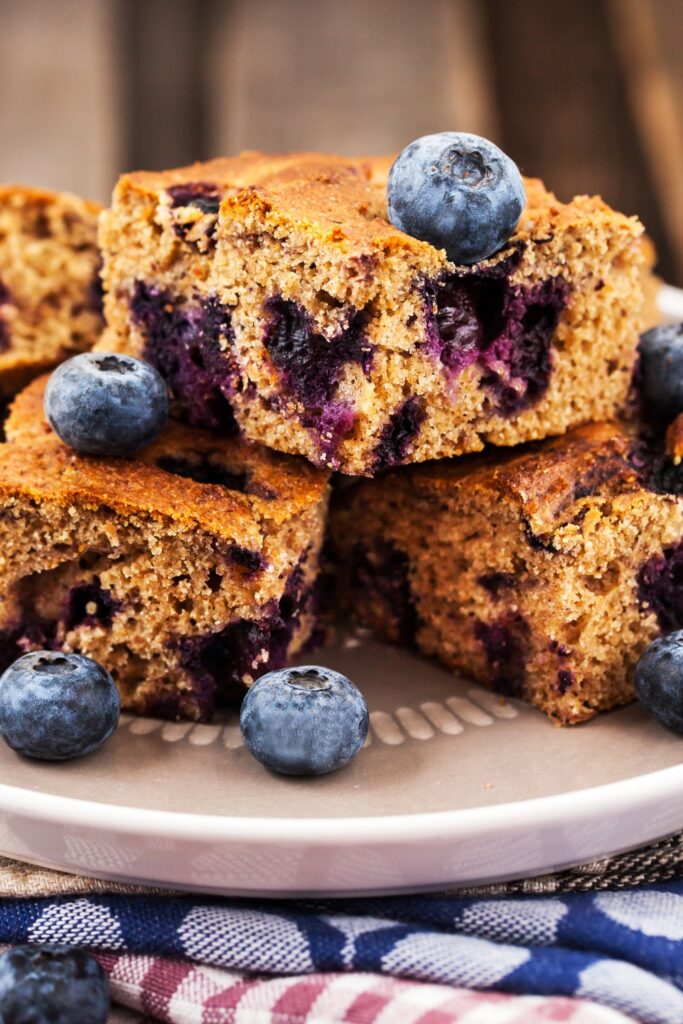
(587, 94)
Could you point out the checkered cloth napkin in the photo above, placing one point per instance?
(602, 944)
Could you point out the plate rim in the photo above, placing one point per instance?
(621, 795)
(559, 811)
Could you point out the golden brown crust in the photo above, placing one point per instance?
(542, 573)
(307, 235)
(186, 590)
(27, 195)
(543, 479)
(26, 421)
(37, 464)
(341, 199)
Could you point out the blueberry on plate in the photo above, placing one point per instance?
(57, 706)
(304, 721)
(458, 192)
(106, 404)
(660, 372)
(52, 985)
(659, 679)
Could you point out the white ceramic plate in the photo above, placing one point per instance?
(455, 786)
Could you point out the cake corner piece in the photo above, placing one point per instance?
(273, 291)
(554, 596)
(187, 571)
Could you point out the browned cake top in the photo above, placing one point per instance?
(341, 200)
(549, 482)
(223, 485)
(24, 196)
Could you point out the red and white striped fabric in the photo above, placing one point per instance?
(181, 993)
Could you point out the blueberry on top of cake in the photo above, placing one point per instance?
(457, 191)
(102, 403)
(187, 571)
(274, 294)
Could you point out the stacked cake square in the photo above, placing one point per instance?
(300, 332)
(275, 291)
(188, 570)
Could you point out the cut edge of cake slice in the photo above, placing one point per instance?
(187, 571)
(50, 288)
(275, 291)
(541, 573)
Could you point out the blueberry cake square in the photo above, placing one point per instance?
(542, 573)
(50, 290)
(273, 293)
(187, 571)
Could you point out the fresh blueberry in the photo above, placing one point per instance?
(52, 985)
(458, 192)
(659, 679)
(102, 404)
(304, 721)
(661, 372)
(56, 706)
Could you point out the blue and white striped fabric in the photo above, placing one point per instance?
(622, 949)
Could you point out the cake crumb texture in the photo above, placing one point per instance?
(50, 289)
(275, 296)
(187, 571)
(542, 573)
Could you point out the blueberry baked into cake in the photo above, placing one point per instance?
(275, 293)
(187, 570)
(50, 292)
(542, 573)
(379, 321)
